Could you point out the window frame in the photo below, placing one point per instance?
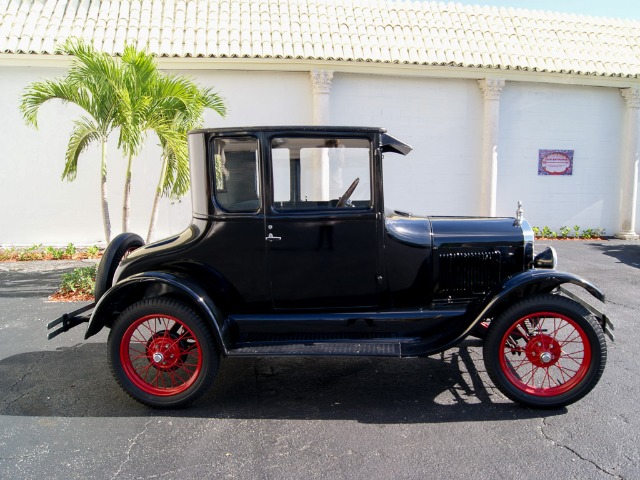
(260, 187)
(329, 210)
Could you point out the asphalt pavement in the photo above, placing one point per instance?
(63, 416)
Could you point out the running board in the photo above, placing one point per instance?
(331, 349)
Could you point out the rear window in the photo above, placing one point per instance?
(237, 174)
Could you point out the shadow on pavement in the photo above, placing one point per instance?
(628, 254)
(30, 284)
(75, 382)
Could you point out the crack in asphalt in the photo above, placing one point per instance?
(27, 456)
(173, 473)
(8, 405)
(132, 443)
(575, 452)
(623, 305)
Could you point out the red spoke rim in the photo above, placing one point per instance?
(161, 355)
(545, 354)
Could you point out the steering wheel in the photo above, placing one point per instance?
(343, 199)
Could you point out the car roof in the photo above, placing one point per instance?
(293, 128)
(388, 142)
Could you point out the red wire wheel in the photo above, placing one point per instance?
(546, 351)
(545, 354)
(161, 353)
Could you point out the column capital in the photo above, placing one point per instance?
(632, 96)
(321, 80)
(491, 88)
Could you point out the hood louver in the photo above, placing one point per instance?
(468, 272)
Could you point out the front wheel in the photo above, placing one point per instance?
(162, 354)
(546, 351)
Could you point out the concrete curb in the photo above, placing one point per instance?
(45, 265)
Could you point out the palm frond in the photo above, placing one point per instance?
(215, 102)
(175, 151)
(84, 132)
(36, 94)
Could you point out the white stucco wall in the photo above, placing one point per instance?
(37, 207)
(440, 117)
(588, 120)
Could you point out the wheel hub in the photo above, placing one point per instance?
(543, 350)
(546, 357)
(164, 352)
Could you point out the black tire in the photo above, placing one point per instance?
(120, 246)
(546, 351)
(162, 354)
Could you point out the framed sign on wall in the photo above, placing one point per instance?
(555, 162)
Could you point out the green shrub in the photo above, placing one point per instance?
(38, 252)
(7, 254)
(70, 251)
(548, 233)
(588, 233)
(81, 280)
(55, 253)
(30, 253)
(576, 231)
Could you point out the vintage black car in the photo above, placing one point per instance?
(292, 252)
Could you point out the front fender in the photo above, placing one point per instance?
(532, 282)
(153, 284)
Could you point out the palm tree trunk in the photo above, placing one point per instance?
(156, 199)
(127, 197)
(103, 190)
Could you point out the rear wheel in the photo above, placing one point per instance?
(546, 351)
(162, 354)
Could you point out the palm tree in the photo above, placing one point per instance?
(91, 83)
(134, 96)
(169, 106)
(185, 112)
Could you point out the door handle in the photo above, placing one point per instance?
(271, 238)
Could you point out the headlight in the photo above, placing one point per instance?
(546, 259)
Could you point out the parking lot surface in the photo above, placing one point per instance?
(63, 416)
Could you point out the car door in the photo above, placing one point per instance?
(322, 247)
(235, 245)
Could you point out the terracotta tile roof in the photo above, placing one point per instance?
(385, 31)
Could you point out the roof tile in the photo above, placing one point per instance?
(388, 31)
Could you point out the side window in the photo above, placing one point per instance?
(237, 175)
(315, 173)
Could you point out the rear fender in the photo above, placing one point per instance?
(156, 284)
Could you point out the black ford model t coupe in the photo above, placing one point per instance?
(292, 252)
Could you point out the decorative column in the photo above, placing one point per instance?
(491, 89)
(321, 80)
(629, 170)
